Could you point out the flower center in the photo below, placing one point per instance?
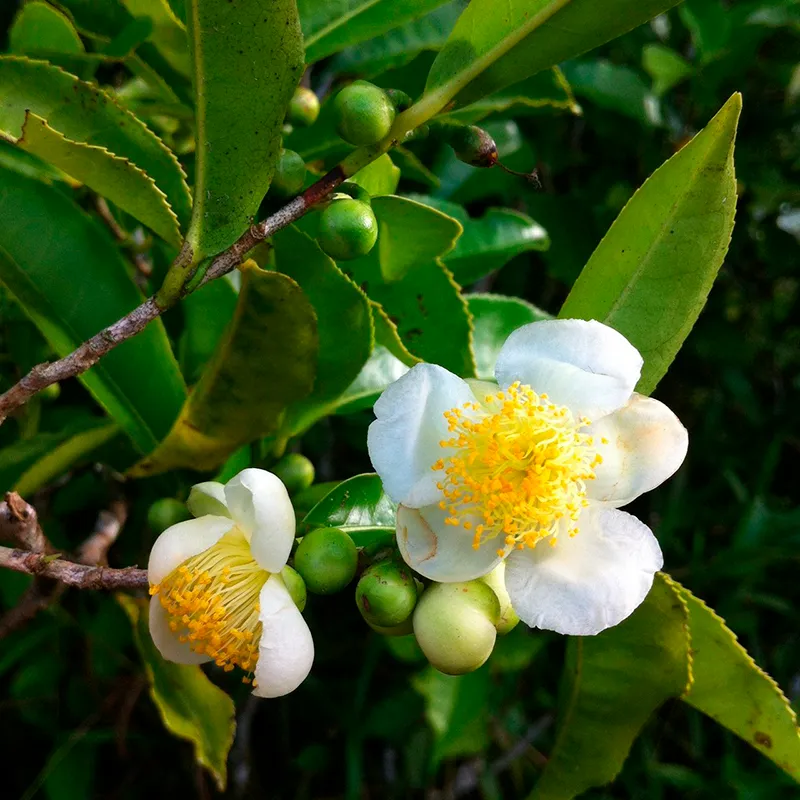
(212, 602)
(520, 465)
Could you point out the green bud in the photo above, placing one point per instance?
(207, 497)
(296, 472)
(327, 560)
(386, 595)
(364, 113)
(295, 585)
(495, 580)
(474, 146)
(347, 229)
(455, 625)
(303, 107)
(165, 513)
(51, 392)
(290, 174)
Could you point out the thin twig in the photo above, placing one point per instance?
(19, 523)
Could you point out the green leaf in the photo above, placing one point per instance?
(83, 113)
(115, 178)
(422, 310)
(48, 250)
(494, 319)
(344, 323)
(190, 705)
(11, 157)
(381, 369)
(379, 177)
(666, 67)
(491, 47)
(359, 507)
(264, 362)
(38, 28)
(248, 59)
(732, 689)
(490, 242)
(612, 683)
(387, 335)
(330, 27)
(650, 275)
(168, 32)
(710, 26)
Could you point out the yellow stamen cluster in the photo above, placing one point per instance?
(212, 602)
(520, 465)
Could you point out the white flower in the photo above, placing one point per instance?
(484, 473)
(217, 590)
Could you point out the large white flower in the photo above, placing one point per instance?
(533, 471)
(217, 590)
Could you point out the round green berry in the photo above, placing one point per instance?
(347, 229)
(474, 146)
(364, 113)
(295, 471)
(51, 392)
(326, 559)
(303, 107)
(165, 513)
(386, 594)
(290, 174)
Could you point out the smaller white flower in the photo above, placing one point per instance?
(217, 590)
(532, 471)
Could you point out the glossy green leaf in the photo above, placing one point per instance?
(248, 59)
(488, 242)
(732, 689)
(494, 319)
(379, 177)
(331, 26)
(264, 362)
(344, 323)
(666, 67)
(111, 176)
(612, 683)
(493, 47)
(190, 705)
(422, 311)
(388, 335)
(46, 245)
(381, 369)
(358, 506)
(650, 275)
(83, 113)
(40, 28)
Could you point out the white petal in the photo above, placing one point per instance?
(443, 553)
(260, 504)
(404, 439)
(646, 444)
(587, 583)
(584, 365)
(286, 650)
(182, 541)
(207, 498)
(166, 641)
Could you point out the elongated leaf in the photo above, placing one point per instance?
(613, 683)
(651, 274)
(83, 113)
(357, 506)
(70, 279)
(494, 46)
(494, 319)
(111, 176)
(344, 323)
(331, 26)
(381, 369)
(264, 362)
(11, 157)
(168, 32)
(248, 59)
(190, 705)
(666, 67)
(732, 689)
(38, 27)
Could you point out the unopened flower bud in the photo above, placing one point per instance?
(347, 229)
(207, 498)
(327, 560)
(386, 595)
(303, 107)
(455, 625)
(474, 146)
(364, 113)
(495, 580)
(295, 585)
(296, 472)
(165, 513)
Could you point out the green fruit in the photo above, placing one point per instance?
(326, 559)
(295, 471)
(474, 146)
(51, 392)
(347, 229)
(386, 595)
(290, 174)
(303, 107)
(364, 113)
(165, 513)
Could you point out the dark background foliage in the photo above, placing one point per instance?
(75, 717)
